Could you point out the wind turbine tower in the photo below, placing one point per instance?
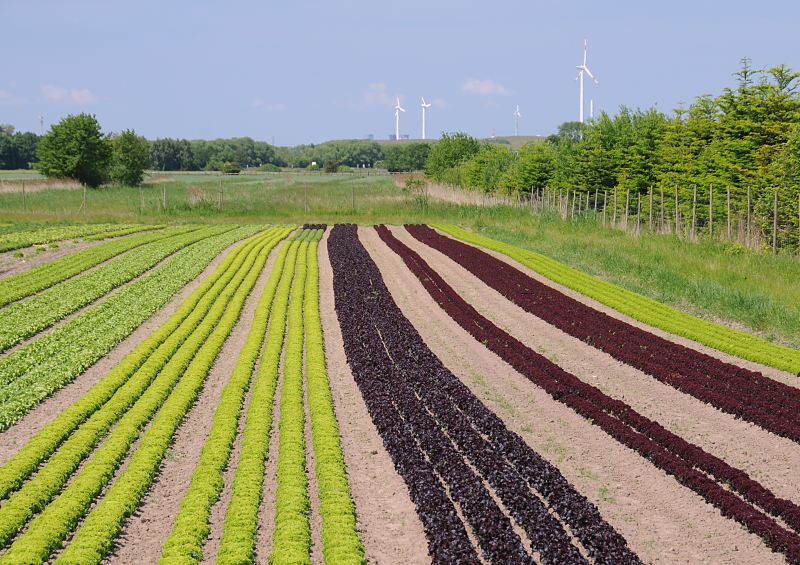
(424, 108)
(583, 69)
(397, 110)
(517, 116)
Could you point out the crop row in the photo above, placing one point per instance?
(707, 475)
(291, 536)
(647, 310)
(340, 541)
(48, 363)
(122, 385)
(169, 397)
(38, 491)
(16, 240)
(744, 393)
(122, 232)
(444, 441)
(28, 317)
(44, 276)
(190, 530)
(238, 541)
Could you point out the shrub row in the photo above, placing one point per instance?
(44, 276)
(17, 240)
(291, 536)
(37, 492)
(28, 317)
(48, 363)
(687, 463)
(738, 391)
(340, 540)
(241, 518)
(186, 372)
(512, 467)
(118, 389)
(190, 530)
(740, 344)
(409, 395)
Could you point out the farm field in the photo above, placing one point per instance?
(269, 391)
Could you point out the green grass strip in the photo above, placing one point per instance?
(191, 528)
(16, 240)
(53, 360)
(647, 310)
(144, 361)
(291, 537)
(241, 518)
(44, 276)
(37, 492)
(188, 368)
(340, 540)
(30, 316)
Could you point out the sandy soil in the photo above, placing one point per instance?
(10, 265)
(144, 533)
(388, 523)
(662, 521)
(771, 372)
(770, 459)
(16, 436)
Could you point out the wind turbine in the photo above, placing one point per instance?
(517, 116)
(397, 110)
(583, 69)
(424, 107)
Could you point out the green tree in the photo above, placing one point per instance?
(449, 152)
(131, 157)
(75, 148)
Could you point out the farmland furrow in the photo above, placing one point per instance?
(649, 311)
(419, 386)
(688, 463)
(55, 359)
(168, 399)
(30, 316)
(738, 391)
(17, 240)
(44, 276)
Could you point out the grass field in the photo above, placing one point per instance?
(713, 280)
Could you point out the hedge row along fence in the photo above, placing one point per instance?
(161, 407)
(744, 393)
(710, 477)
(445, 443)
(740, 344)
(38, 369)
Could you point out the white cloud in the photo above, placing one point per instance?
(272, 107)
(484, 87)
(377, 94)
(7, 99)
(80, 96)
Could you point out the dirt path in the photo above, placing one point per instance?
(771, 372)
(16, 436)
(769, 459)
(662, 521)
(143, 535)
(387, 520)
(10, 265)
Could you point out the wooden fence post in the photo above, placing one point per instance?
(694, 212)
(729, 213)
(650, 223)
(677, 213)
(661, 211)
(638, 212)
(747, 234)
(605, 206)
(711, 210)
(627, 205)
(775, 223)
(614, 213)
(596, 190)
(164, 197)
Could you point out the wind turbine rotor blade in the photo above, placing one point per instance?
(588, 72)
(423, 100)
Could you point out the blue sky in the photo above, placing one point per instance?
(308, 71)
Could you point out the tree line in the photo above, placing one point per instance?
(745, 140)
